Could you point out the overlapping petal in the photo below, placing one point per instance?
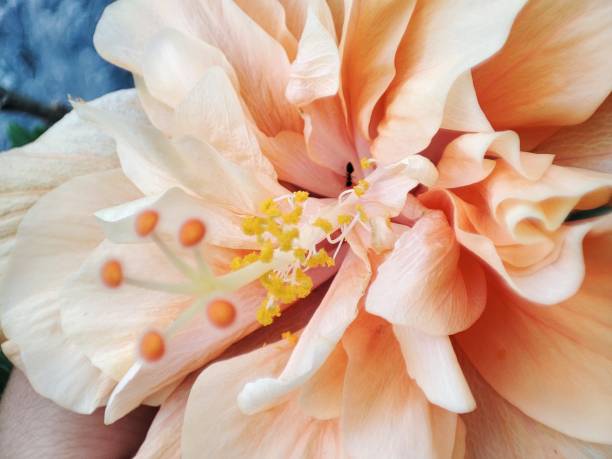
(553, 363)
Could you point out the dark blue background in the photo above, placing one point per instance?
(46, 53)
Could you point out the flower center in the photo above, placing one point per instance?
(289, 232)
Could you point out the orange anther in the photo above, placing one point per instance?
(112, 274)
(192, 232)
(221, 313)
(152, 346)
(146, 222)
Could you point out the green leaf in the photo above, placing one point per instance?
(19, 136)
(584, 214)
(5, 371)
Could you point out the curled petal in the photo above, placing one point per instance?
(431, 362)
(317, 342)
(215, 427)
(384, 413)
(553, 363)
(427, 282)
(463, 161)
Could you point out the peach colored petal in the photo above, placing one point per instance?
(384, 413)
(212, 112)
(270, 15)
(562, 270)
(431, 362)
(389, 185)
(374, 31)
(163, 439)
(287, 151)
(463, 161)
(159, 114)
(125, 28)
(155, 164)
(327, 138)
(191, 348)
(414, 105)
(462, 111)
(336, 312)
(174, 62)
(554, 69)
(427, 282)
(215, 427)
(587, 145)
(70, 148)
(553, 363)
(315, 72)
(498, 429)
(248, 48)
(223, 228)
(54, 238)
(529, 209)
(321, 395)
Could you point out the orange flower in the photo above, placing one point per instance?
(381, 140)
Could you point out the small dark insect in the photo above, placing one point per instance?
(349, 174)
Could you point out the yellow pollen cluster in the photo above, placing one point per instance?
(362, 213)
(321, 258)
(361, 187)
(265, 315)
(289, 337)
(366, 163)
(277, 232)
(344, 219)
(324, 224)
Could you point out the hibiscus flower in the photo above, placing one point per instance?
(284, 141)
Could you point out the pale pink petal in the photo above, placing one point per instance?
(321, 395)
(587, 145)
(336, 312)
(553, 363)
(215, 427)
(287, 151)
(444, 40)
(174, 62)
(192, 347)
(125, 28)
(155, 164)
(389, 185)
(498, 429)
(327, 137)
(384, 413)
(53, 240)
(554, 69)
(163, 439)
(462, 111)
(375, 29)
(463, 161)
(212, 112)
(270, 15)
(427, 282)
(69, 149)
(431, 362)
(315, 73)
(224, 25)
